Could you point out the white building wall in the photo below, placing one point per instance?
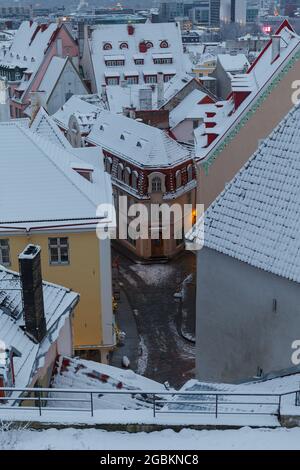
(68, 84)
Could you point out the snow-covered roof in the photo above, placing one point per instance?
(256, 218)
(119, 97)
(81, 374)
(233, 63)
(58, 304)
(109, 41)
(256, 80)
(45, 127)
(191, 107)
(80, 105)
(52, 74)
(136, 142)
(57, 195)
(28, 46)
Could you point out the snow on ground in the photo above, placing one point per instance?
(95, 439)
(143, 359)
(155, 274)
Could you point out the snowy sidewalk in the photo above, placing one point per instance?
(187, 439)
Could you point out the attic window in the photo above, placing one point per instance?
(87, 174)
(122, 137)
(107, 46)
(139, 144)
(164, 45)
(101, 127)
(32, 59)
(123, 45)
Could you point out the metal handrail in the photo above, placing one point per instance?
(158, 402)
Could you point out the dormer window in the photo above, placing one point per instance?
(86, 174)
(101, 127)
(107, 46)
(139, 144)
(164, 44)
(122, 137)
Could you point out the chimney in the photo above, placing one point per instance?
(32, 292)
(38, 99)
(4, 101)
(160, 89)
(275, 48)
(130, 29)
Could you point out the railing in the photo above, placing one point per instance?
(165, 402)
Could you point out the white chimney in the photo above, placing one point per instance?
(4, 101)
(275, 48)
(160, 89)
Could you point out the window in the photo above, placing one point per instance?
(107, 46)
(168, 77)
(163, 60)
(134, 180)
(156, 185)
(120, 172)
(139, 61)
(164, 44)
(189, 173)
(132, 80)
(127, 176)
(112, 81)
(178, 179)
(150, 78)
(108, 165)
(4, 252)
(114, 63)
(195, 124)
(59, 250)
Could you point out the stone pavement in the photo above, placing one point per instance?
(164, 354)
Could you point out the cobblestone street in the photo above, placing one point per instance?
(150, 291)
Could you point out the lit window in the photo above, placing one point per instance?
(4, 253)
(59, 250)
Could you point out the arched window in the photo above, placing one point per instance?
(189, 173)
(127, 174)
(134, 180)
(107, 46)
(120, 172)
(123, 45)
(156, 185)
(149, 44)
(164, 44)
(108, 165)
(178, 179)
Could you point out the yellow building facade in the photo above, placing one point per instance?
(93, 327)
